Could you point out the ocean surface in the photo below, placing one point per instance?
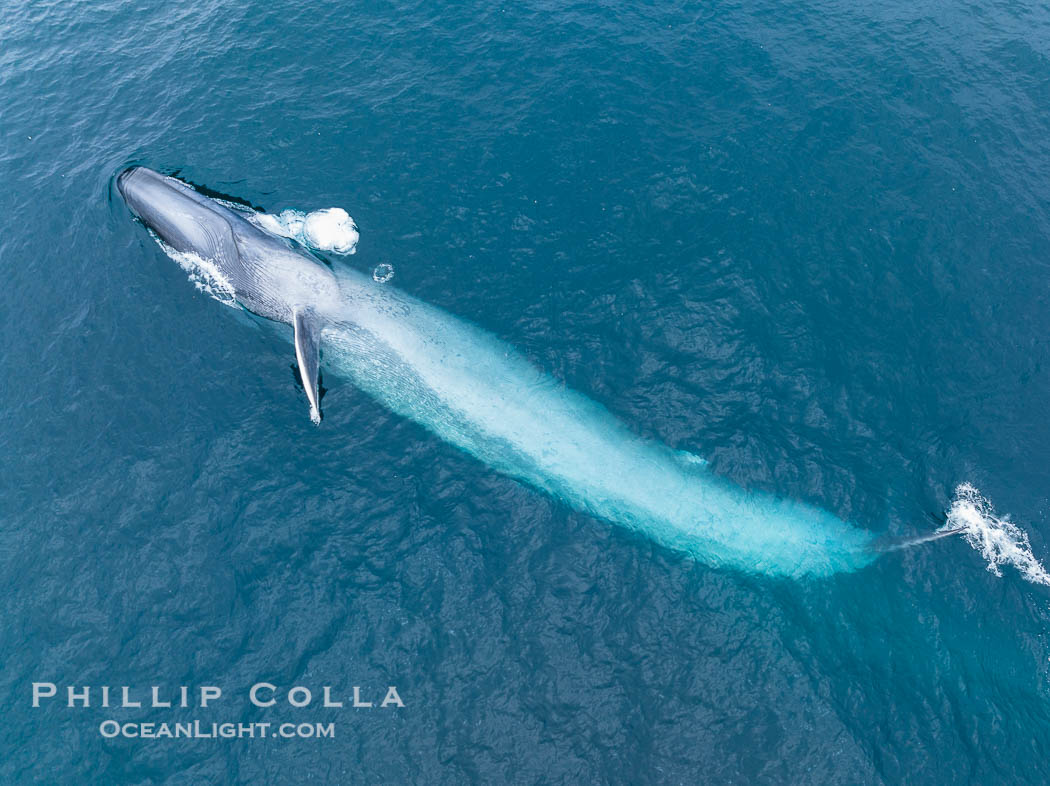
(809, 244)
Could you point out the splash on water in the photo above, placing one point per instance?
(331, 229)
(999, 540)
(383, 273)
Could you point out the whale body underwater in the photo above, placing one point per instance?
(477, 393)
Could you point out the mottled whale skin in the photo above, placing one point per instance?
(477, 393)
(264, 273)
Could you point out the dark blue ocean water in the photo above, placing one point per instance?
(810, 243)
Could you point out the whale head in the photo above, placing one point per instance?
(176, 214)
(237, 262)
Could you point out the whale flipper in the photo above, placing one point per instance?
(307, 353)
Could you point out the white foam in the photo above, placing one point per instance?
(330, 229)
(203, 273)
(999, 540)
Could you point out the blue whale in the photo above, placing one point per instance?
(477, 393)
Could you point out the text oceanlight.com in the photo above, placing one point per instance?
(228, 731)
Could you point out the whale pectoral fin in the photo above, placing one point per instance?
(307, 353)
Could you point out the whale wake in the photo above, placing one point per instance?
(477, 393)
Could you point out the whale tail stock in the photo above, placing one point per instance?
(884, 545)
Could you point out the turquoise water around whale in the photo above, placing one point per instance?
(808, 244)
